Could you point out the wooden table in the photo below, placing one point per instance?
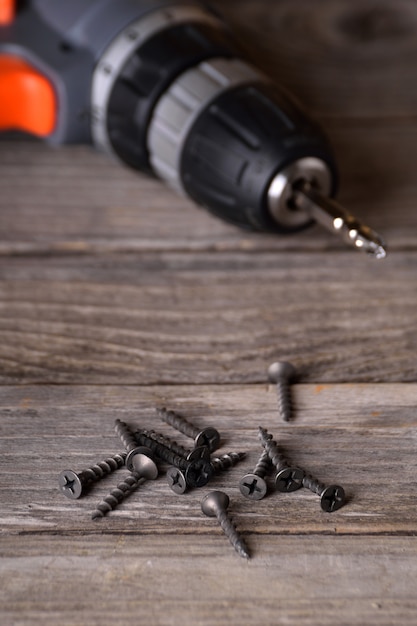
(118, 296)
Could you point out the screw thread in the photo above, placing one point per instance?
(178, 422)
(161, 451)
(284, 400)
(313, 484)
(226, 461)
(126, 435)
(263, 465)
(103, 468)
(232, 534)
(167, 442)
(116, 496)
(271, 447)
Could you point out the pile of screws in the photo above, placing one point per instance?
(195, 467)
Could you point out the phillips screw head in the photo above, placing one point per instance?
(176, 480)
(70, 484)
(253, 487)
(332, 498)
(289, 479)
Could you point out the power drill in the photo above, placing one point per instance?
(160, 85)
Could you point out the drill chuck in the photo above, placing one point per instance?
(170, 95)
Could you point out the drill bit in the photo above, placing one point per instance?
(338, 220)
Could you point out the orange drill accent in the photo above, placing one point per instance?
(7, 11)
(27, 98)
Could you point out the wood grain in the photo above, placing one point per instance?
(112, 580)
(206, 318)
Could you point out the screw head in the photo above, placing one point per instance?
(176, 480)
(202, 452)
(281, 370)
(141, 460)
(208, 437)
(198, 473)
(289, 479)
(253, 487)
(70, 484)
(213, 502)
(332, 498)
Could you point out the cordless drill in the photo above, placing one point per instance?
(160, 85)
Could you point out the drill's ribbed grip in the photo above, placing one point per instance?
(238, 144)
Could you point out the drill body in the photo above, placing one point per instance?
(161, 86)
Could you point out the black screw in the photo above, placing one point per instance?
(253, 485)
(144, 468)
(72, 484)
(332, 497)
(226, 461)
(197, 473)
(288, 478)
(126, 435)
(281, 373)
(215, 504)
(202, 452)
(208, 437)
(128, 439)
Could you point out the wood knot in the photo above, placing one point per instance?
(376, 23)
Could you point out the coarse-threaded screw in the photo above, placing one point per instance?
(128, 438)
(288, 478)
(226, 461)
(176, 477)
(126, 435)
(253, 485)
(208, 437)
(332, 497)
(202, 452)
(72, 484)
(197, 473)
(144, 468)
(215, 504)
(281, 373)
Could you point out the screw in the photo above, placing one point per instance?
(281, 374)
(215, 504)
(253, 485)
(332, 497)
(197, 473)
(125, 434)
(144, 468)
(226, 461)
(202, 452)
(288, 478)
(208, 437)
(176, 480)
(72, 484)
(128, 439)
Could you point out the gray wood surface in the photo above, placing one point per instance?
(117, 296)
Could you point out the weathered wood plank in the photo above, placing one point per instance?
(360, 436)
(207, 318)
(112, 580)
